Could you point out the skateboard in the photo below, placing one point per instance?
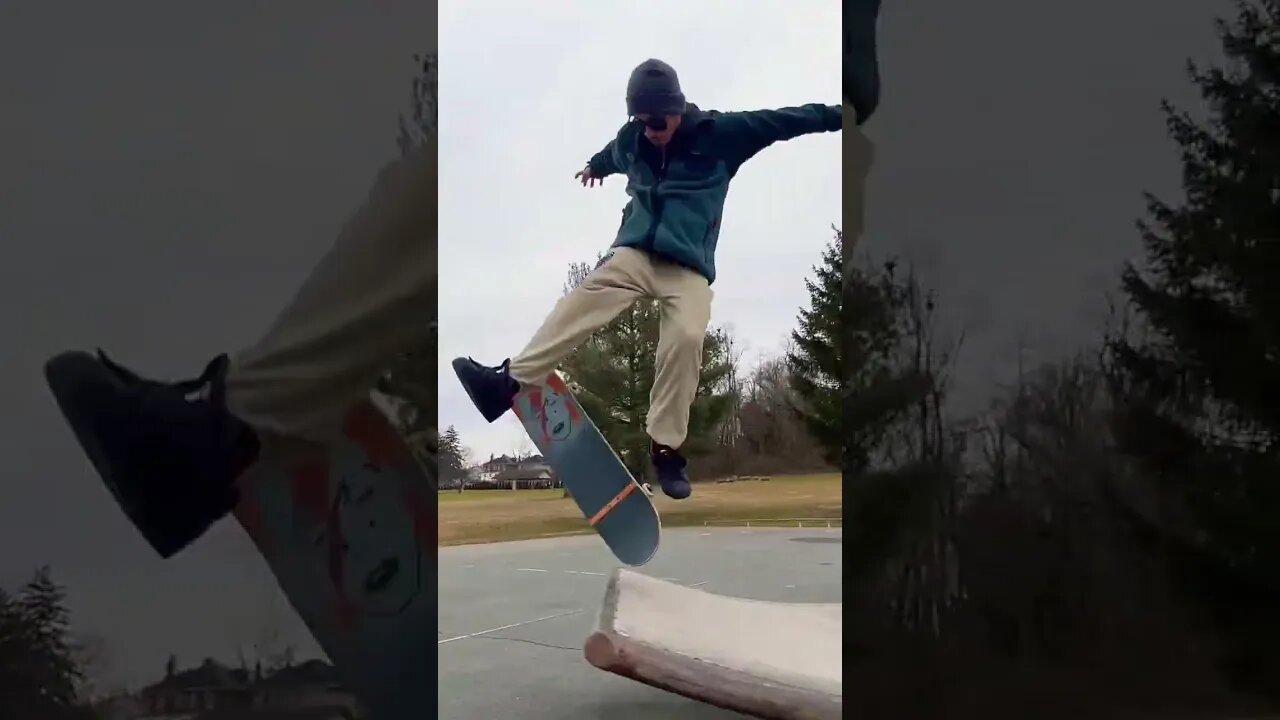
(611, 500)
(348, 530)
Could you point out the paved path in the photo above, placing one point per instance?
(513, 617)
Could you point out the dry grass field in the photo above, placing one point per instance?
(482, 516)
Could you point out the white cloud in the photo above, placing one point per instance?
(530, 90)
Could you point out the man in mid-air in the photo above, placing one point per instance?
(171, 452)
(679, 161)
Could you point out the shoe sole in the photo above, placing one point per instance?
(74, 378)
(459, 364)
(686, 494)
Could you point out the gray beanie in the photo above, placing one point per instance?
(654, 89)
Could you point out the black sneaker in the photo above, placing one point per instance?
(170, 453)
(492, 389)
(671, 473)
(861, 65)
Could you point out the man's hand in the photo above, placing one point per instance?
(587, 178)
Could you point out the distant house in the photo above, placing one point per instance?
(528, 476)
(506, 472)
(308, 691)
(497, 464)
(210, 686)
(312, 684)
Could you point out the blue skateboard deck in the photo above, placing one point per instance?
(349, 531)
(609, 497)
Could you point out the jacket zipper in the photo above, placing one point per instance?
(657, 201)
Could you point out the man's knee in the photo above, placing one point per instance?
(687, 339)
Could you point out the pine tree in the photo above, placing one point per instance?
(1207, 381)
(42, 603)
(1199, 391)
(13, 647)
(452, 455)
(39, 672)
(847, 368)
(816, 360)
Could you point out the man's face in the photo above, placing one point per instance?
(659, 137)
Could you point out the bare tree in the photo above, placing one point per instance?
(731, 430)
(92, 654)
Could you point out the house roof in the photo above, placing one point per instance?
(531, 472)
(209, 675)
(504, 461)
(311, 672)
(500, 461)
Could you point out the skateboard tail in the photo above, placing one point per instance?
(637, 549)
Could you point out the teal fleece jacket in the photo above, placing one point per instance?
(678, 194)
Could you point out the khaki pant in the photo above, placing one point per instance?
(626, 275)
(372, 296)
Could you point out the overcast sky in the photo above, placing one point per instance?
(168, 177)
(1014, 142)
(522, 111)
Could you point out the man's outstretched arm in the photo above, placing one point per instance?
(600, 166)
(747, 133)
(605, 162)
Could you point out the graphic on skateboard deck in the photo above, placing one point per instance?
(348, 530)
(606, 493)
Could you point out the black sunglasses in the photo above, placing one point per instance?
(657, 122)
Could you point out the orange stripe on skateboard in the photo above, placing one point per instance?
(609, 506)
